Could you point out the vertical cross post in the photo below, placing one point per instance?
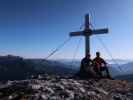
(87, 37)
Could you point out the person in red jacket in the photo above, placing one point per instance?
(100, 65)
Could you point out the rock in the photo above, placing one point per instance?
(101, 91)
(44, 97)
(35, 87)
(82, 89)
(130, 96)
(70, 94)
(57, 88)
(54, 98)
(1, 94)
(13, 96)
(117, 97)
(49, 90)
(10, 97)
(91, 93)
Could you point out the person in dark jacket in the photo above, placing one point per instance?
(86, 63)
(100, 65)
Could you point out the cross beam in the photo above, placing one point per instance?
(87, 32)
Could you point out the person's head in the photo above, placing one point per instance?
(97, 54)
(88, 56)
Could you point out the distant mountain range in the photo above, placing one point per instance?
(77, 62)
(15, 67)
(117, 67)
(51, 67)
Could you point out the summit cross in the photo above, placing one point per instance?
(87, 32)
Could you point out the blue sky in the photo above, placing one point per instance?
(32, 28)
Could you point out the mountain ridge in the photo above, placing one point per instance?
(15, 67)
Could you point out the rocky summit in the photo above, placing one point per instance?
(64, 88)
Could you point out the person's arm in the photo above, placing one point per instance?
(95, 63)
(91, 62)
(83, 63)
(104, 62)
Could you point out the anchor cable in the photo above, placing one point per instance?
(76, 51)
(58, 48)
(107, 50)
(109, 53)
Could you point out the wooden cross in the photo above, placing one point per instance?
(87, 32)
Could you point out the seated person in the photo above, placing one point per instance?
(100, 65)
(86, 63)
